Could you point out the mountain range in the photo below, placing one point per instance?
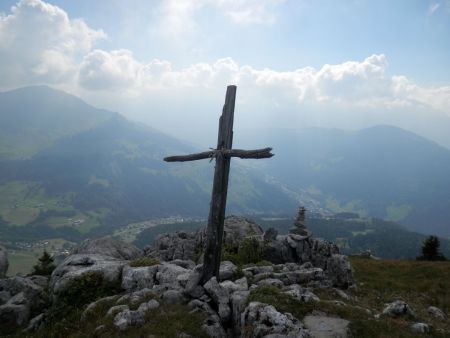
(67, 166)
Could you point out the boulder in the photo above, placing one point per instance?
(237, 228)
(3, 262)
(398, 308)
(301, 294)
(88, 311)
(339, 271)
(108, 246)
(150, 305)
(116, 309)
(327, 327)
(270, 235)
(220, 296)
(128, 318)
(420, 328)
(137, 278)
(173, 297)
(238, 303)
(24, 300)
(35, 323)
(261, 320)
(238, 285)
(179, 245)
(167, 275)
(227, 270)
(437, 313)
(76, 266)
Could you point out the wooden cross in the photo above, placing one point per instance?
(222, 154)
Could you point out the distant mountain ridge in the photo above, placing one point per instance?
(66, 164)
(382, 171)
(103, 170)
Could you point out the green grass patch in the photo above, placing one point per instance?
(166, 321)
(144, 261)
(420, 284)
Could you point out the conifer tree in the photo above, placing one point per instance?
(45, 266)
(430, 250)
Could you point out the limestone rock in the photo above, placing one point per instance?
(136, 296)
(178, 245)
(227, 270)
(238, 285)
(398, 308)
(150, 305)
(327, 327)
(272, 282)
(238, 304)
(24, 300)
(437, 313)
(128, 318)
(35, 323)
(168, 273)
(260, 320)
(76, 266)
(173, 297)
(339, 270)
(220, 296)
(116, 309)
(420, 328)
(136, 278)
(237, 228)
(92, 306)
(301, 294)
(3, 262)
(108, 246)
(270, 235)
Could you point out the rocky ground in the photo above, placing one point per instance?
(269, 286)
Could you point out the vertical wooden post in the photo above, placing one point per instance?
(214, 230)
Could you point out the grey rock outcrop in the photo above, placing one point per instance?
(24, 300)
(264, 320)
(237, 228)
(108, 246)
(277, 249)
(137, 278)
(75, 266)
(177, 245)
(4, 263)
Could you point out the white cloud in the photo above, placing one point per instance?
(353, 83)
(38, 42)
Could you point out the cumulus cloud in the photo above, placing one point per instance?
(38, 42)
(357, 83)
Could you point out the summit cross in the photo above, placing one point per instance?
(222, 154)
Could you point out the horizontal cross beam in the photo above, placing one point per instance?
(257, 153)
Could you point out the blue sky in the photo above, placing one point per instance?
(346, 64)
